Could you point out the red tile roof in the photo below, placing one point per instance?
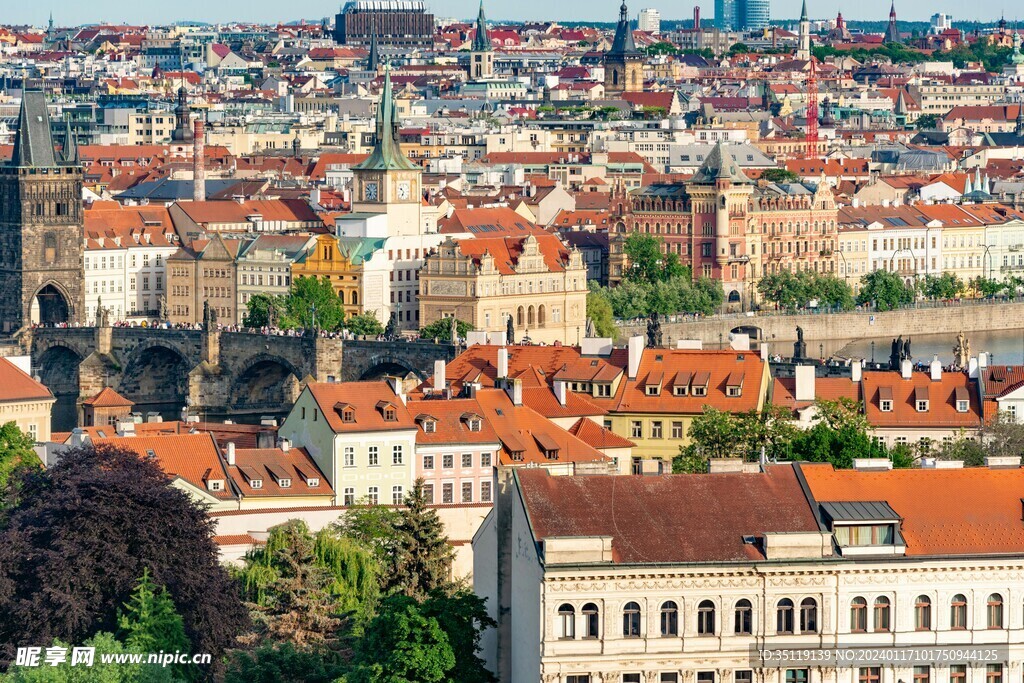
(597, 436)
(941, 397)
(108, 398)
(193, 457)
(364, 398)
(451, 418)
(669, 518)
(16, 385)
(269, 464)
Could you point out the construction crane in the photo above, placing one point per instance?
(811, 138)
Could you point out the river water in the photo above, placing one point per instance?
(1006, 347)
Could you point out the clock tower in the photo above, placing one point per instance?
(387, 181)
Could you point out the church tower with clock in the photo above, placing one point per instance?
(387, 182)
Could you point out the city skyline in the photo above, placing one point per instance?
(66, 12)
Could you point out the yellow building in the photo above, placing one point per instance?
(533, 279)
(24, 401)
(340, 261)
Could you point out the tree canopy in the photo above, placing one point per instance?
(311, 300)
(779, 175)
(648, 263)
(441, 329)
(364, 324)
(799, 290)
(599, 310)
(15, 452)
(885, 290)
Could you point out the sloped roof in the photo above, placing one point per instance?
(15, 385)
(719, 164)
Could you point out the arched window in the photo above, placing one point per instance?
(631, 620)
(958, 612)
(882, 613)
(529, 316)
(520, 316)
(591, 620)
(706, 618)
(744, 618)
(995, 611)
(566, 621)
(808, 615)
(859, 615)
(784, 616)
(542, 316)
(669, 619)
(355, 298)
(923, 613)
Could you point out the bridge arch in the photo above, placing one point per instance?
(58, 368)
(384, 365)
(755, 333)
(51, 305)
(265, 380)
(156, 376)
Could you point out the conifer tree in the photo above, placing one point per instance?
(149, 621)
(423, 557)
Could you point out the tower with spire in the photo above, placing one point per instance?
(42, 281)
(182, 133)
(623, 63)
(840, 34)
(387, 181)
(804, 48)
(891, 34)
(481, 56)
(373, 57)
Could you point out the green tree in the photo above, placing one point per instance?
(15, 452)
(275, 662)
(463, 617)
(715, 433)
(783, 289)
(599, 310)
(945, 286)
(263, 310)
(312, 301)
(927, 122)
(149, 621)
(738, 47)
(105, 644)
(373, 526)
(402, 644)
(779, 175)
(648, 262)
(364, 324)
(885, 290)
(987, 287)
(969, 450)
(662, 48)
(423, 557)
(442, 329)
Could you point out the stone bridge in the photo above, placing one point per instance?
(215, 374)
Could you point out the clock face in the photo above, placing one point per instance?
(403, 190)
(370, 192)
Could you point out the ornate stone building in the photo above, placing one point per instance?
(41, 243)
(481, 56)
(624, 63)
(534, 280)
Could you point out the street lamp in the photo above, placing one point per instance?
(872, 353)
(988, 253)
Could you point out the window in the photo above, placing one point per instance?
(882, 613)
(656, 429)
(669, 619)
(995, 611)
(958, 673)
(922, 674)
(631, 678)
(372, 453)
(485, 460)
(743, 676)
(705, 677)
(373, 494)
(428, 462)
(447, 461)
(631, 620)
(448, 493)
(485, 492)
(348, 415)
(428, 426)
(467, 460)
(428, 493)
(397, 455)
(669, 677)
(923, 613)
(744, 618)
(808, 615)
(350, 456)
(636, 429)
(859, 615)
(591, 620)
(706, 618)
(350, 496)
(869, 674)
(958, 612)
(885, 406)
(578, 678)
(796, 675)
(677, 430)
(566, 621)
(467, 492)
(994, 673)
(784, 616)
(397, 496)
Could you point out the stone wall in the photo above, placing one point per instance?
(836, 330)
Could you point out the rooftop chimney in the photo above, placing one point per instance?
(804, 383)
(560, 391)
(502, 363)
(763, 349)
(635, 348)
(906, 368)
(856, 371)
(230, 451)
(514, 389)
(439, 378)
(396, 386)
(199, 162)
(936, 368)
(284, 444)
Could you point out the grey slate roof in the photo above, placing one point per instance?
(33, 144)
(859, 511)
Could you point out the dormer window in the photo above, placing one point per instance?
(215, 485)
(921, 399)
(922, 406)
(963, 400)
(885, 406)
(734, 385)
(864, 527)
(313, 483)
(653, 390)
(347, 412)
(653, 385)
(963, 406)
(474, 425)
(474, 422)
(700, 384)
(389, 414)
(284, 483)
(429, 426)
(885, 399)
(255, 483)
(387, 411)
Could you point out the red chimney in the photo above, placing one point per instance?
(696, 17)
(199, 162)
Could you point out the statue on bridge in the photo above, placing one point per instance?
(209, 316)
(799, 346)
(102, 313)
(654, 339)
(510, 330)
(899, 352)
(590, 332)
(164, 312)
(962, 352)
(391, 331)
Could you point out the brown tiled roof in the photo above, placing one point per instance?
(450, 416)
(597, 436)
(15, 385)
(543, 400)
(363, 397)
(265, 463)
(193, 457)
(669, 518)
(941, 403)
(827, 388)
(985, 518)
(108, 398)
